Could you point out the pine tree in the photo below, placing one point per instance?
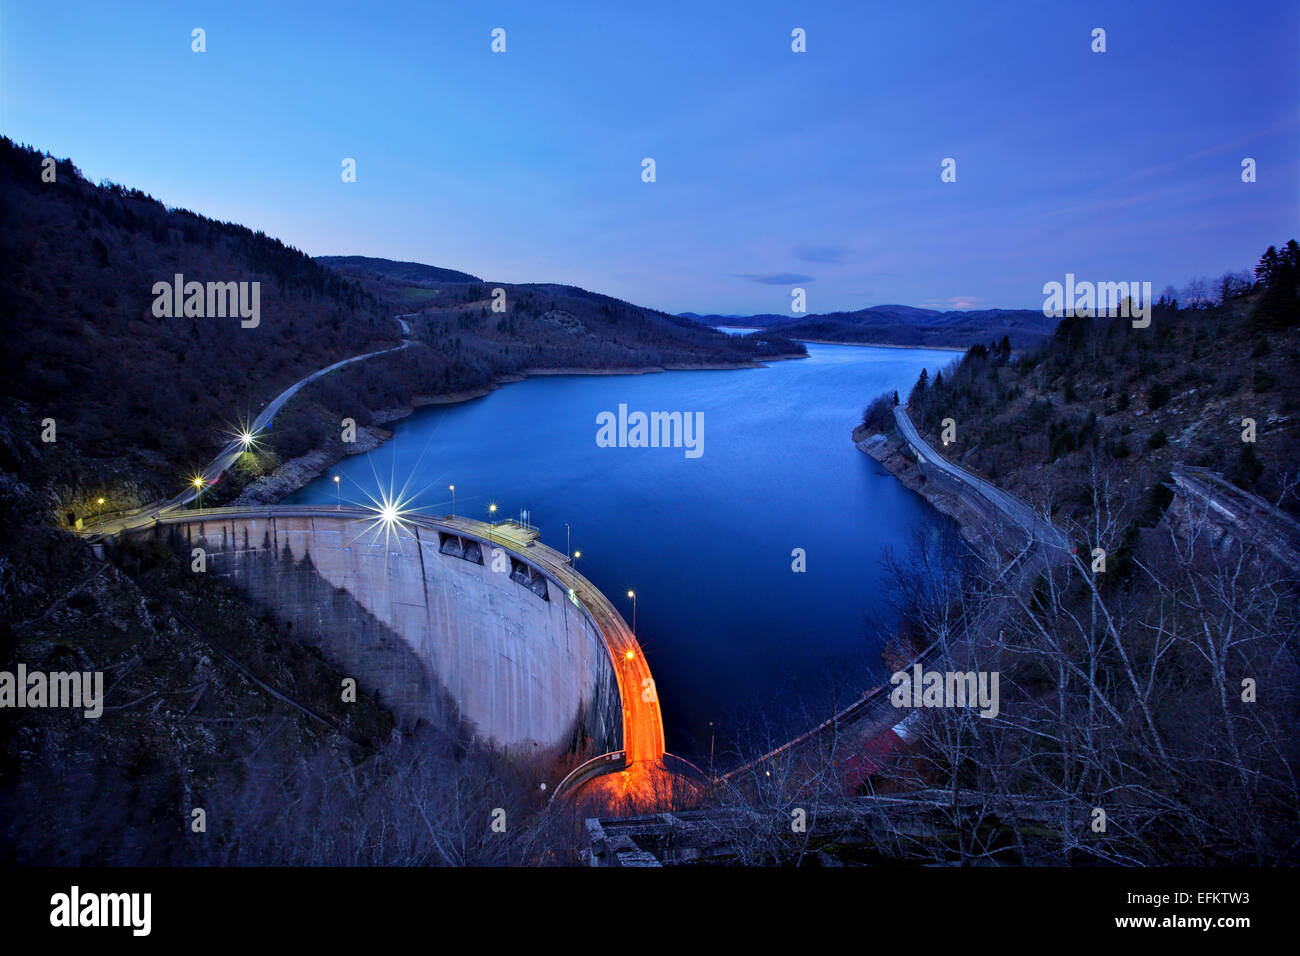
(1279, 305)
(1267, 268)
(917, 397)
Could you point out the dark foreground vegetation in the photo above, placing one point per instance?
(212, 706)
(1149, 725)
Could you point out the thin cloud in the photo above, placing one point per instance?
(956, 302)
(827, 253)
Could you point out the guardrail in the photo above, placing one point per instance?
(1012, 507)
(611, 762)
(848, 715)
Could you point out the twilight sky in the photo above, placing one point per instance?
(774, 168)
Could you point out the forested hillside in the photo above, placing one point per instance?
(414, 273)
(1131, 402)
(83, 345)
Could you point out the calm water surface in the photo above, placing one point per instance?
(733, 635)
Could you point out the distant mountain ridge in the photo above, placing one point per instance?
(901, 325)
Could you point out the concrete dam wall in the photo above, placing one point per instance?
(430, 618)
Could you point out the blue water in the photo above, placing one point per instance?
(734, 636)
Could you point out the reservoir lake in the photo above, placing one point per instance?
(744, 649)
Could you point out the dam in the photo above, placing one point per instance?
(450, 621)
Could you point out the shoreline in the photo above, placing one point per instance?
(888, 345)
(865, 345)
(296, 473)
(888, 451)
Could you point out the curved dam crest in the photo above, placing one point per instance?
(417, 613)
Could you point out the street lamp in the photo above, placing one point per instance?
(198, 483)
(492, 509)
(567, 553)
(338, 493)
(452, 489)
(632, 595)
(101, 514)
(574, 560)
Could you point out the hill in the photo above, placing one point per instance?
(137, 397)
(411, 273)
(1128, 659)
(532, 326)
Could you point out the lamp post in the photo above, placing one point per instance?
(452, 489)
(632, 595)
(198, 483)
(100, 519)
(567, 554)
(338, 494)
(574, 560)
(492, 509)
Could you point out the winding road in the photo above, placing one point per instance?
(146, 514)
